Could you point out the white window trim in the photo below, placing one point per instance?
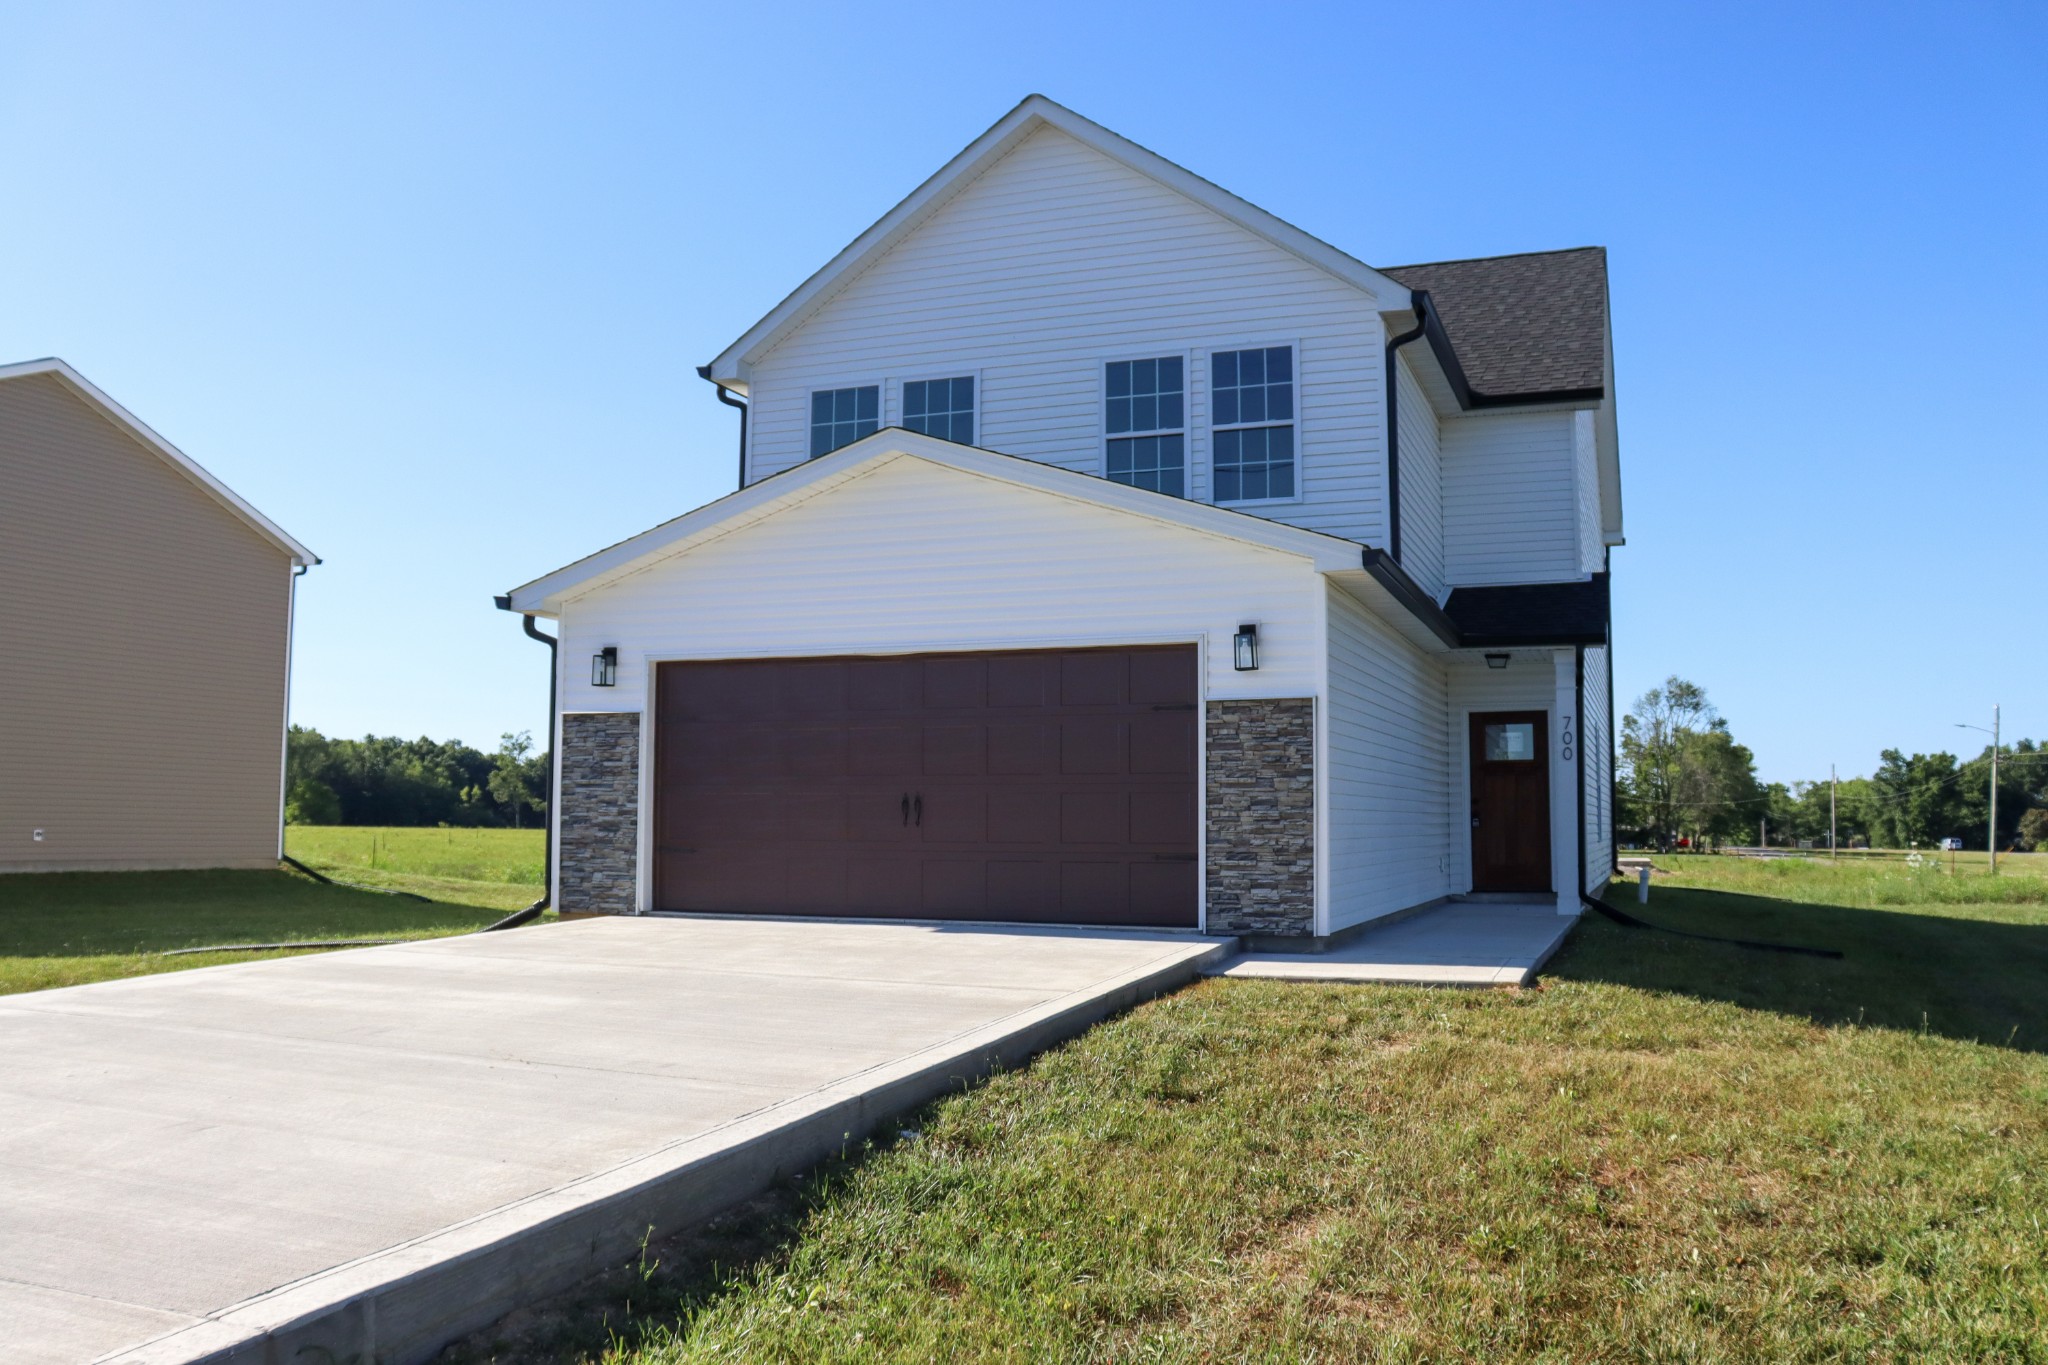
(1187, 410)
(892, 398)
(881, 388)
(1210, 426)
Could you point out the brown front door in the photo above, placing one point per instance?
(1510, 802)
(1047, 785)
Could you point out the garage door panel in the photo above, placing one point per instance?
(889, 685)
(1164, 677)
(1161, 818)
(1094, 744)
(1055, 786)
(956, 684)
(954, 815)
(1022, 748)
(1024, 815)
(885, 750)
(880, 886)
(1094, 891)
(1016, 680)
(1094, 678)
(954, 888)
(1163, 744)
(954, 749)
(1023, 890)
(1095, 817)
(1160, 891)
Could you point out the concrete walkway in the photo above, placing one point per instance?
(1461, 944)
(362, 1154)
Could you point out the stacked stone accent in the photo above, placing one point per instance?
(599, 811)
(1262, 816)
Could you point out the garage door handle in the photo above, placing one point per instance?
(920, 810)
(906, 809)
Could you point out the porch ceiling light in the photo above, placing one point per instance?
(1244, 647)
(1496, 661)
(604, 667)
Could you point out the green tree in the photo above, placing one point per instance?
(1681, 770)
(1913, 800)
(519, 777)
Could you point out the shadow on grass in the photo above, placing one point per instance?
(1949, 972)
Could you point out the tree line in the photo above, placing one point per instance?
(1682, 776)
(385, 780)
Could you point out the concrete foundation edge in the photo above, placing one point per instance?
(402, 1305)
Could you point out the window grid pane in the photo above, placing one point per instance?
(1248, 388)
(941, 407)
(842, 416)
(1155, 462)
(1144, 395)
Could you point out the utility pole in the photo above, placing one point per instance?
(1832, 786)
(1762, 840)
(1991, 833)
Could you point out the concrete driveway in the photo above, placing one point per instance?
(368, 1152)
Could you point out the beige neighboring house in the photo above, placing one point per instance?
(145, 643)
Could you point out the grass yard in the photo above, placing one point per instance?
(67, 928)
(1669, 1151)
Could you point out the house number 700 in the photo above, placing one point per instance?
(1565, 736)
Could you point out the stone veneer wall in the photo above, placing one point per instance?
(1262, 816)
(599, 806)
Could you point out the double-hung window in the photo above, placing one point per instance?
(940, 407)
(1145, 419)
(1251, 419)
(842, 416)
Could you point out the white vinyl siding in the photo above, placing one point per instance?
(1057, 259)
(1598, 735)
(1422, 489)
(990, 566)
(1586, 471)
(1389, 789)
(1510, 502)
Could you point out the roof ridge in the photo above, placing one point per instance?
(1503, 256)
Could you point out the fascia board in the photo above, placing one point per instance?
(1035, 112)
(544, 596)
(164, 450)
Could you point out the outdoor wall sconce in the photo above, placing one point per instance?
(1244, 647)
(604, 667)
(1496, 661)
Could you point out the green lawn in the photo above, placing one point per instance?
(1668, 1151)
(63, 929)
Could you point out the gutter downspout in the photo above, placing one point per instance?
(547, 846)
(1418, 299)
(1613, 722)
(725, 397)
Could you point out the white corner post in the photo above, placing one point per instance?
(1567, 875)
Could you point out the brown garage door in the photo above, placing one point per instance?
(1049, 785)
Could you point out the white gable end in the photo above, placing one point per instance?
(1057, 258)
(916, 556)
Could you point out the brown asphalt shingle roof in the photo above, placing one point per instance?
(1528, 324)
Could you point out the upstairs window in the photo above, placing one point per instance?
(1145, 417)
(1251, 398)
(842, 416)
(940, 407)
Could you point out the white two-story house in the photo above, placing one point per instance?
(1108, 551)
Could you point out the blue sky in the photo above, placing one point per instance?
(428, 284)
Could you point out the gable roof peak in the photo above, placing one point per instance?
(96, 399)
(1034, 111)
